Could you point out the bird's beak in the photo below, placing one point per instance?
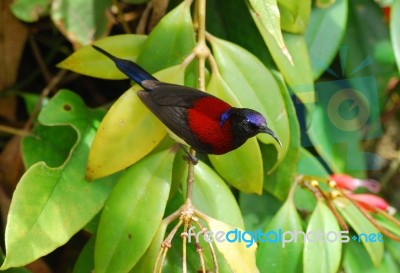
(265, 129)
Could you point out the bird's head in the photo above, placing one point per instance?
(247, 123)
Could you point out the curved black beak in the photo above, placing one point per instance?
(265, 129)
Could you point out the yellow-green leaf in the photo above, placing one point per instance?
(209, 187)
(128, 132)
(240, 256)
(88, 61)
(328, 252)
(268, 15)
(133, 213)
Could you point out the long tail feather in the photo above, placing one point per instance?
(129, 68)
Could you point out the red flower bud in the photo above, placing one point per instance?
(348, 182)
(367, 201)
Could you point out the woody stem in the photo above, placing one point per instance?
(202, 53)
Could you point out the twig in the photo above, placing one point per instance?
(45, 92)
(165, 245)
(13, 131)
(141, 27)
(184, 236)
(39, 59)
(120, 17)
(210, 245)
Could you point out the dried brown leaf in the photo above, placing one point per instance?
(13, 35)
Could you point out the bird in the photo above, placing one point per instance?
(206, 123)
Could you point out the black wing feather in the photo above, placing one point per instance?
(174, 117)
(167, 94)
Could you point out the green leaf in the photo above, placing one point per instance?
(297, 73)
(247, 77)
(361, 225)
(49, 144)
(242, 168)
(88, 61)
(339, 117)
(393, 248)
(309, 165)
(209, 187)
(274, 254)
(258, 211)
(148, 260)
(324, 34)
(295, 15)
(30, 10)
(132, 213)
(395, 30)
(229, 19)
(387, 224)
(366, 30)
(322, 256)
(267, 13)
(50, 205)
(240, 256)
(81, 21)
(170, 41)
(85, 261)
(128, 132)
(279, 178)
(356, 259)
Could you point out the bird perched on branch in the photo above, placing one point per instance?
(205, 122)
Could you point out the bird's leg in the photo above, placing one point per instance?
(189, 157)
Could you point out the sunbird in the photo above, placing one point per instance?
(206, 123)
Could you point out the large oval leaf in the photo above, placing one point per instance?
(239, 255)
(269, 16)
(297, 73)
(322, 38)
(88, 61)
(242, 168)
(255, 88)
(50, 205)
(170, 41)
(81, 21)
(280, 255)
(277, 179)
(30, 11)
(147, 262)
(322, 256)
(128, 132)
(133, 213)
(209, 187)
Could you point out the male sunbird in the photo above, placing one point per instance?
(206, 123)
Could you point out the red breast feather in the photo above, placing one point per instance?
(204, 121)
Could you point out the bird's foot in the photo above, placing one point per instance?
(189, 157)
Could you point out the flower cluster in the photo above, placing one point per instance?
(367, 201)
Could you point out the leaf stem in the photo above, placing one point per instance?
(202, 53)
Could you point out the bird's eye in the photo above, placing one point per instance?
(253, 125)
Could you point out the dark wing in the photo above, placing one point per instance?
(170, 104)
(167, 94)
